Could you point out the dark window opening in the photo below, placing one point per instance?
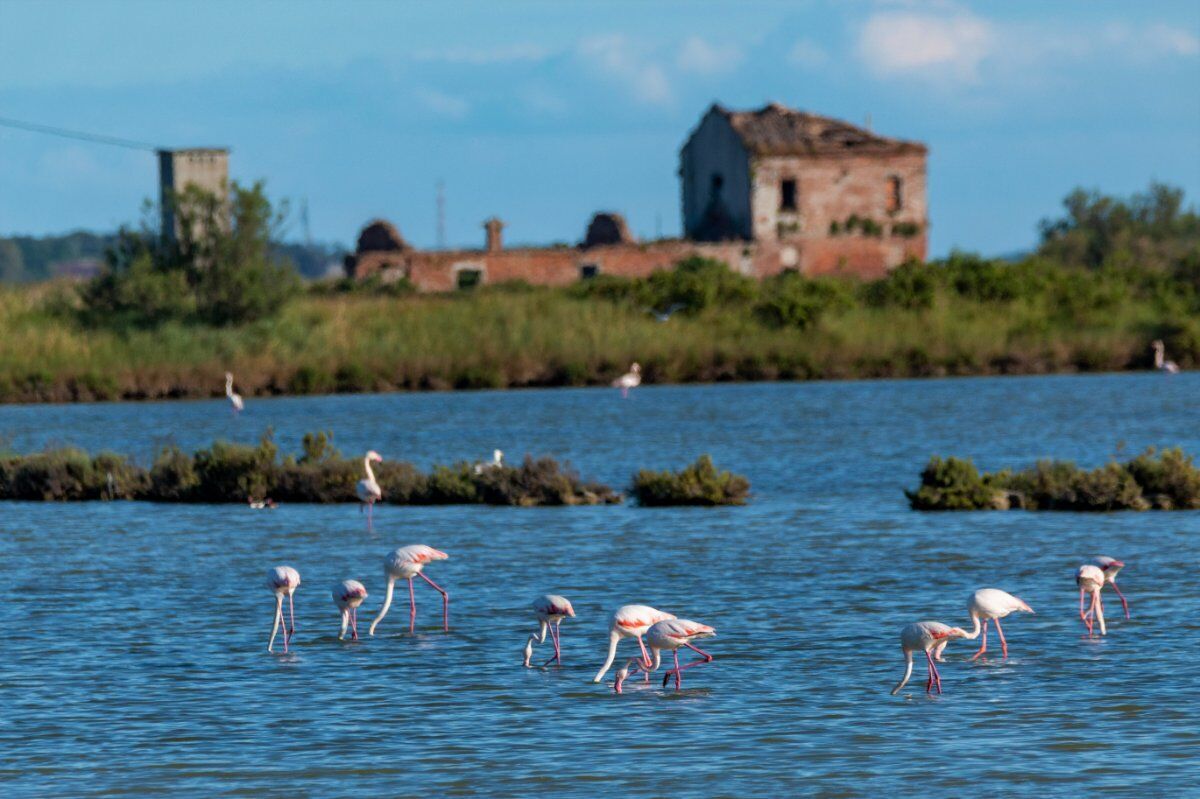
(469, 278)
(895, 194)
(787, 195)
(718, 181)
(589, 271)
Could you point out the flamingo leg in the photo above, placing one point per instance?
(704, 658)
(929, 670)
(983, 646)
(445, 600)
(935, 679)
(354, 623)
(1086, 621)
(1003, 643)
(370, 508)
(1091, 613)
(412, 607)
(557, 657)
(1121, 596)
(292, 616)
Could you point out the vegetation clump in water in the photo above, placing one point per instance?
(228, 472)
(698, 484)
(1166, 480)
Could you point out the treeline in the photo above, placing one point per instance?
(1166, 480)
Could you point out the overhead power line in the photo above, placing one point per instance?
(98, 138)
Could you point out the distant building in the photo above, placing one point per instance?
(764, 191)
(205, 167)
(829, 196)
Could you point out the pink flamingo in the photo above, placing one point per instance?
(631, 379)
(1090, 580)
(235, 399)
(1110, 567)
(405, 564)
(989, 604)
(550, 610)
(669, 635)
(630, 621)
(924, 636)
(348, 595)
(367, 489)
(283, 581)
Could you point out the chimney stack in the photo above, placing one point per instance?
(495, 242)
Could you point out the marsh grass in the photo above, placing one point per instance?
(701, 483)
(1159, 480)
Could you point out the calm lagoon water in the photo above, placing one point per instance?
(133, 659)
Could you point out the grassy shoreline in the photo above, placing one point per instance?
(537, 337)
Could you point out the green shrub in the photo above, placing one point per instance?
(791, 300)
(951, 484)
(698, 484)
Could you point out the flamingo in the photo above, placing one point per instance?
(630, 621)
(550, 610)
(1110, 567)
(367, 489)
(1160, 362)
(1090, 580)
(669, 634)
(631, 379)
(235, 399)
(989, 604)
(496, 462)
(925, 636)
(283, 581)
(348, 595)
(405, 564)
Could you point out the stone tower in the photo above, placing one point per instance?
(205, 167)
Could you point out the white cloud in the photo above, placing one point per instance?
(616, 57)
(939, 47)
(698, 56)
(441, 103)
(807, 53)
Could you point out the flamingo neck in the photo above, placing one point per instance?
(387, 603)
(908, 666)
(974, 632)
(1159, 358)
(613, 638)
(370, 472)
(278, 619)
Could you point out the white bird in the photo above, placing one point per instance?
(1090, 580)
(405, 564)
(670, 635)
(235, 399)
(923, 636)
(989, 604)
(631, 379)
(348, 595)
(496, 462)
(283, 581)
(630, 621)
(1160, 360)
(665, 316)
(1110, 567)
(367, 490)
(550, 610)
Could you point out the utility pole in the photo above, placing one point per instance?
(441, 215)
(304, 222)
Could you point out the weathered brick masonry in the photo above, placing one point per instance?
(764, 191)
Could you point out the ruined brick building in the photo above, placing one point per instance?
(764, 191)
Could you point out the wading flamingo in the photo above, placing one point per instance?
(495, 463)
(550, 610)
(989, 604)
(630, 621)
(405, 564)
(1090, 580)
(1160, 360)
(367, 490)
(283, 581)
(348, 595)
(631, 379)
(924, 636)
(1110, 567)
(669, 634)
(235, 399)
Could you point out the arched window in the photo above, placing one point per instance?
(895, 199)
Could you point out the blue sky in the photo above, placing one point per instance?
(543, 112)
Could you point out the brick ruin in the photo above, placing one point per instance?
(764, 191)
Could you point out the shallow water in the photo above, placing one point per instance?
(134, 657)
